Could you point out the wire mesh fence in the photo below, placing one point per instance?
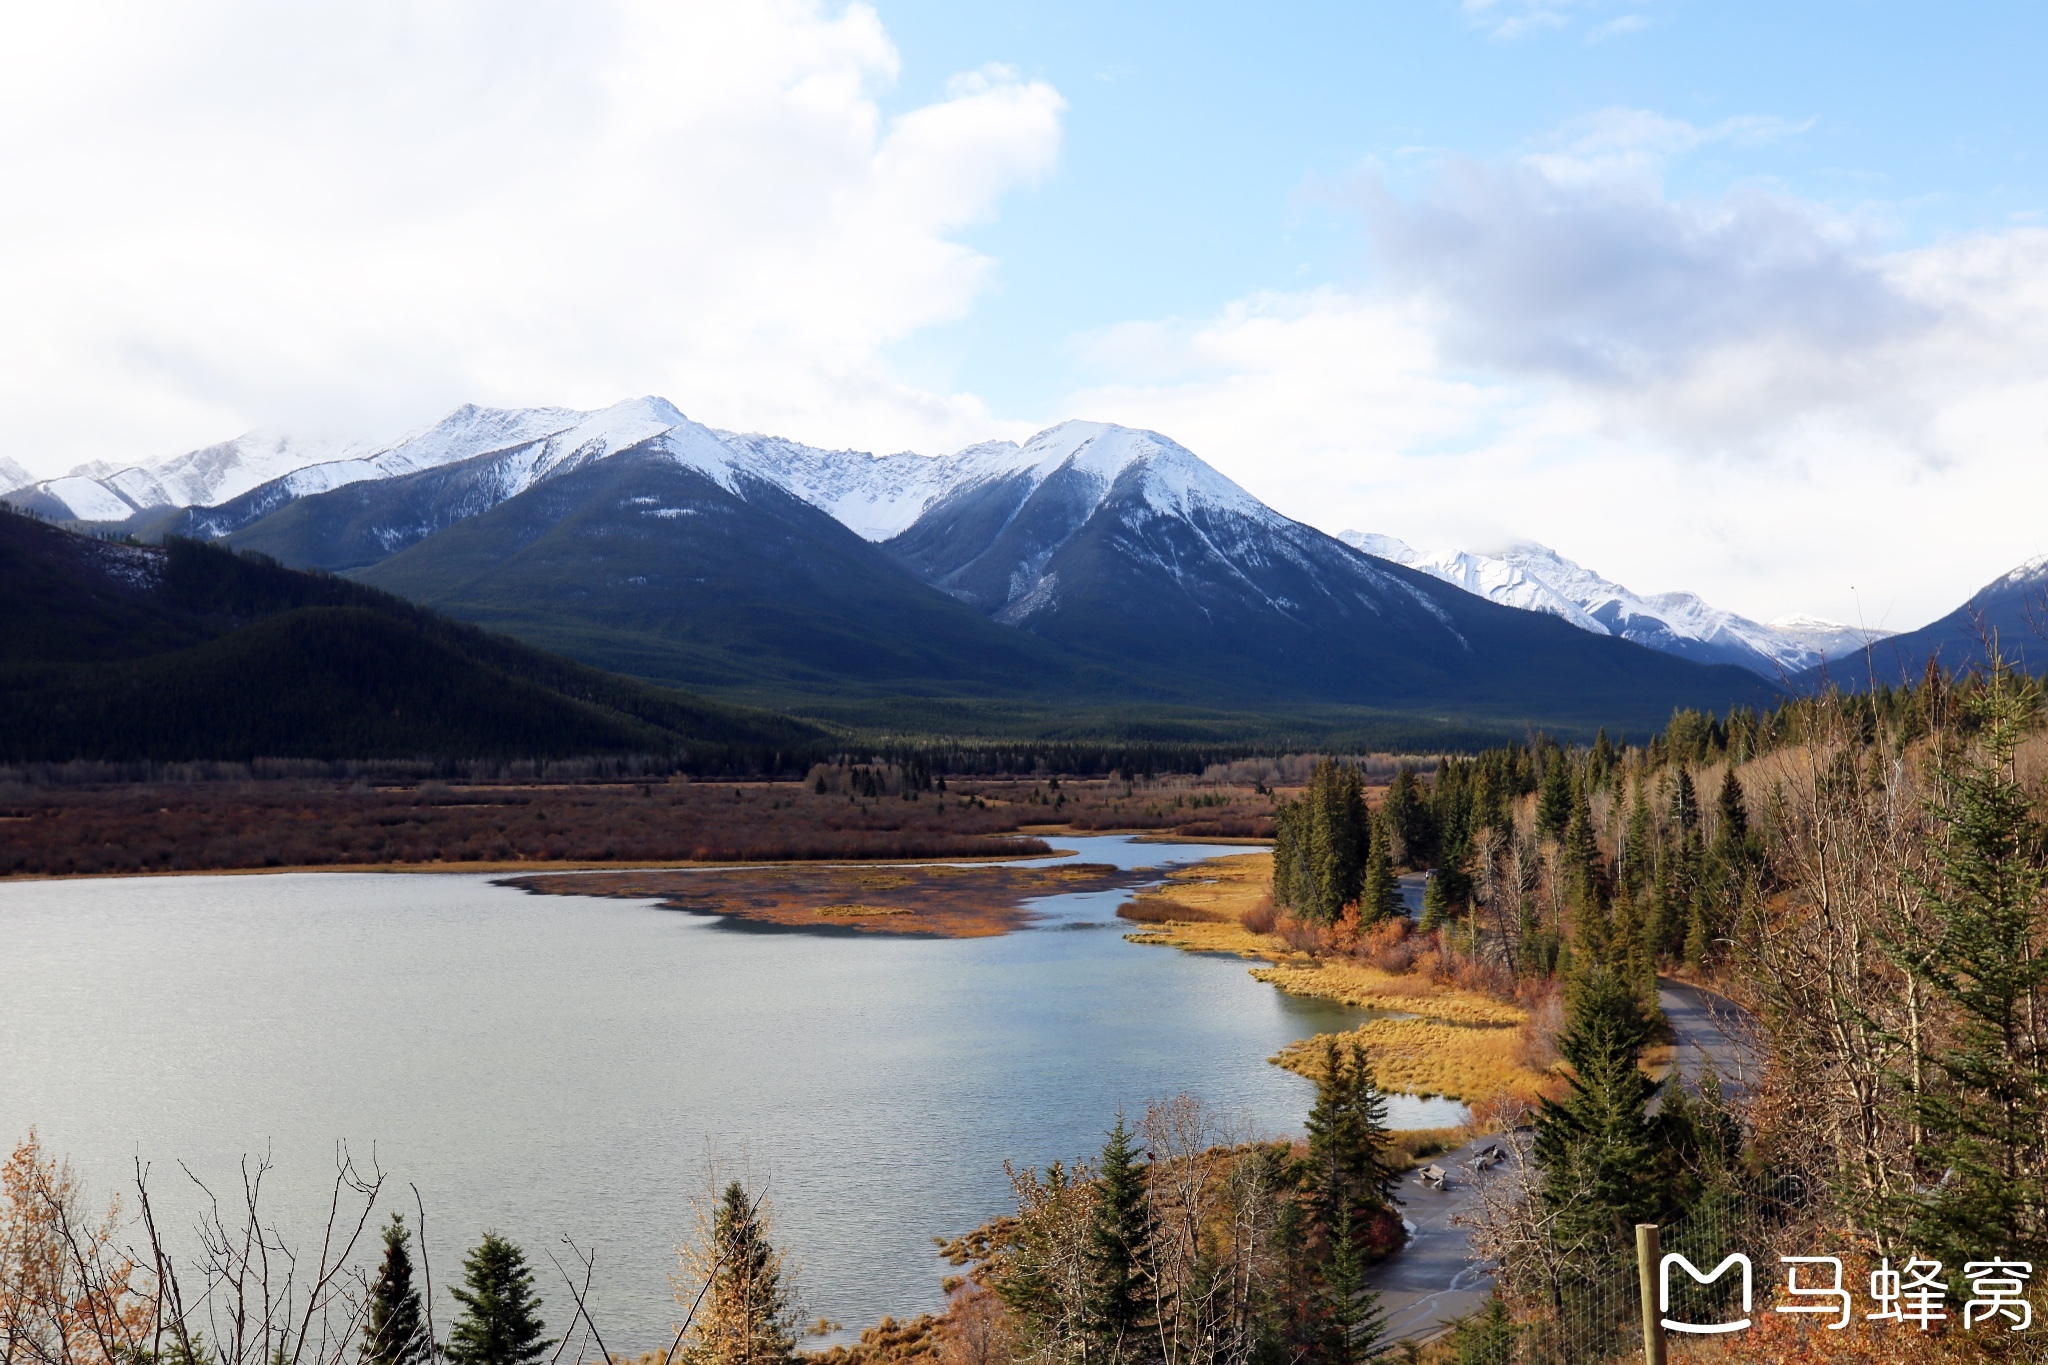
(1593, 1312)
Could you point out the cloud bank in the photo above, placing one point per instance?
(350, 217)
(1743, 395)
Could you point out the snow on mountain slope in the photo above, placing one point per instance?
(100, 491)
(1828, 639)
(1172, 479)
(874, 496)
(13, 476)
(1537, 578)
(86, 499)
(462, 434)
(1496, 580)
(285, 468)
(880, 496)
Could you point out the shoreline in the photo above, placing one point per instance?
(537, 868)
(1148, 834)
(1431, 1039)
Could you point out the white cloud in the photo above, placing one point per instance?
(1509, 20)
(1741, 396)
(352, 216)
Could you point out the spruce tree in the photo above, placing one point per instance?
(500, 1322)
(1319, 847)
(1407, 813)
(1348, 1167)
(1554, 806)
(1595, 1144)
(1582, 872)
(1379, 891)
(394, 1332)
(1119, 1251)
(1356, 1319)
(1639, 854)
(1986, 1122)
(746, 1318)
(1732, 813)
(1436, 904)
(1485, 1338)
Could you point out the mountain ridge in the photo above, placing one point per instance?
(1534, 577)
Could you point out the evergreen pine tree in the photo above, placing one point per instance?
(1685, 802)
(394, 1332)
(1356, 1319)
(1986, 1125)
(1581, 861)
(1407, 814)
(1639, 854)
(1119, 1251)
(500, 1322)
(1319, 847)
(1600, 763)
(1554, 806)
(1379, 892)
(1485, 1338)
(1347, 1136)
(1732, 812)
(746, 1317)
(1595, 1144)
(1436, 904)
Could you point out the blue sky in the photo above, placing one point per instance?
(1746, 299)
(1210, 149)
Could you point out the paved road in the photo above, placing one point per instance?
(1434, 1280)
(1708, 1029)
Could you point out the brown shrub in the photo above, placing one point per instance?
(1259, 917)
(1301, 935)
(1389, 946)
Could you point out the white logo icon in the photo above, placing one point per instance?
(1664, 1292)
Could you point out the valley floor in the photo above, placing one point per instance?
(239, 823)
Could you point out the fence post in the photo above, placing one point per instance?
(1648, 1253)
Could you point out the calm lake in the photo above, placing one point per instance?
(551, 1066)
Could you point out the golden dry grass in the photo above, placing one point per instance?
(1353, 983)
(1198, 908)
(1427, 1057)
(1465, 1045)
(859, 911)
(1215, 938)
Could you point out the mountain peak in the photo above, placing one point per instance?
(1535, 577)
(1170, 478)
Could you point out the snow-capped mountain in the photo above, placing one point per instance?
(1828, 639)
(995, 535)
(2010, 612)
(1111, 558)
(99, 491)
(1536, 578)
(13, 476)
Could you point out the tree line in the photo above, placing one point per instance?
(1861, 875)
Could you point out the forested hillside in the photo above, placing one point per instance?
(190, 651)
(1860, 881)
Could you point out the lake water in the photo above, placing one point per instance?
(551, 1066)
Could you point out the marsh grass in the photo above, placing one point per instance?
(1429, 1057)
(1365, 987)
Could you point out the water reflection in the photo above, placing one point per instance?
(547, 1065)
